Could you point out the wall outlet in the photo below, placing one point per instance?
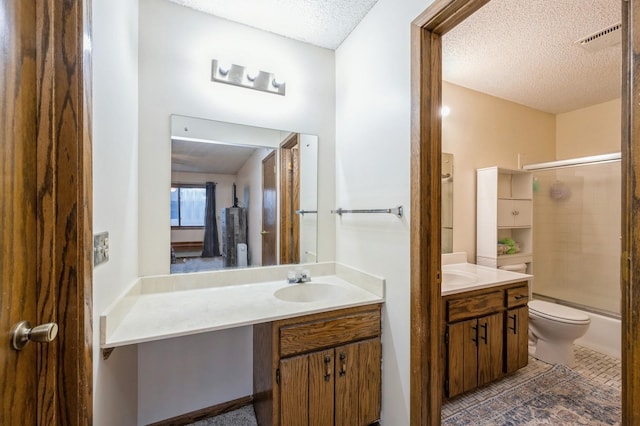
(100, 248)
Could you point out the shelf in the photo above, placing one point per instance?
(511, 256)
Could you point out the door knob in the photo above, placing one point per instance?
(264, 232)
(22, 333)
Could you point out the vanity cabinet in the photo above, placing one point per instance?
(480, 345)
(320, 369)
(504, 210)
(517, 329)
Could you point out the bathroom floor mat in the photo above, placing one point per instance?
(556, 396)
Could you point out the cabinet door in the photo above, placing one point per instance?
(505, 213)
(346, 387)
(321, 387)
(294, 391)
(462, 357)
(369, 380)
(490, 348)
(522, 212)
(514, 213)
(517, 338)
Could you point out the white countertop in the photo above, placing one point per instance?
(479, 277)
(154, 310)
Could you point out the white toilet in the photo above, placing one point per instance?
(552, 330)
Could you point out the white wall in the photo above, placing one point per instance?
(115, 195)
(176, 48)
(589, 131)
(373, 100)
(175, 52)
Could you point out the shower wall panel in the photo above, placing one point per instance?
(577, 235)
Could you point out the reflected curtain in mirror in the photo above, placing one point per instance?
(211, 246)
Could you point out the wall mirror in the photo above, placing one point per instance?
(241, 196)
(447, 202)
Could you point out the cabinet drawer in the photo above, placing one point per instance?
(517, 296)
(474, 306)
(314, 335)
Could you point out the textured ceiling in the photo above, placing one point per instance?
(205, 157)
(524, 51)
(324, 23)
(519, 50)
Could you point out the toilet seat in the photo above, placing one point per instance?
(555, 312)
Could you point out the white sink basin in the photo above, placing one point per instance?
(455, 278)
(308, 292)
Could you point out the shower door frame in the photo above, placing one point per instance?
(426, 147)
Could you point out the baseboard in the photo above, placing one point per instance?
(204, 413)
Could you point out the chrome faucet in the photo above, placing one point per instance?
(299, 276)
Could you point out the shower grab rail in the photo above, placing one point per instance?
(398, 211)
(303, 212)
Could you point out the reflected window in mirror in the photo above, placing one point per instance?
(262, 178)
(187, 206)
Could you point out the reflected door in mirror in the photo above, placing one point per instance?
(269, 210)
(290, 200)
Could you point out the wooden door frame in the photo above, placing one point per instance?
(64, 210)
(426, 148)
(289, 202)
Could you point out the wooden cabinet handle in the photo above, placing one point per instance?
(343, 367)
(514, 317)
(327, 363)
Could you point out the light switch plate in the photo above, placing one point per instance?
(100, 248)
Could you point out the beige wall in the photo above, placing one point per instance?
(588, 131)
(484, 131)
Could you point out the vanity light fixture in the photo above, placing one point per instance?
(239, 75)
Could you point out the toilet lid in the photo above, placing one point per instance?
(557, 312)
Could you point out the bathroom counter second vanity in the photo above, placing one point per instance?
(465, 277)
(169, 306)
(485, 325)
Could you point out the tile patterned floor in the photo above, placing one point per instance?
(598, 367)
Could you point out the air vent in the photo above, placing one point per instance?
(602, 39)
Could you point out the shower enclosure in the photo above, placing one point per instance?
(576, 223)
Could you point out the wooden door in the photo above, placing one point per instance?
(346, 388)
(18, 209)
(290, 200)
(517, 339)
(269, 210)
(490, 345)
(294, 391)
(45, 209)
(369, 380)
(321, 388)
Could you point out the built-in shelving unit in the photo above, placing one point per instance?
(504, 210)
